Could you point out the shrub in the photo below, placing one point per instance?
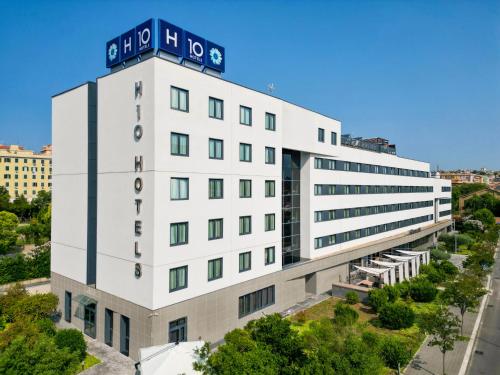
(394, 351)
(301, 317)
(377, 298)
(485, 216)
(392, 293)
(73, 340)
(422, 290)
(371, 339)
(433, 274)
(403, 289)
(448, 268)
(438, 254)
(351, 298)
(397, 315)
(345, 315)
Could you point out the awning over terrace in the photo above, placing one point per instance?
(386, 264)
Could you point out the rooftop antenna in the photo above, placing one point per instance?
(271, 87)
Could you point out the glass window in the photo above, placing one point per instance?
(215, 148)
(321, 135)
(215, 188)
(269, 255)
(270, 121)
(214, 269)
(245, 115)
(245, 152)
(215, 108)
(245, 188)
(215, 228)
(177, 330)
(245, 225)
(179, 144)
(178, 278)
(334, 138)
(178, 233)
(270, 188)
(255, 301)
(179, 99)
(270, 155)
(269, 222)
(179, 188)
(245, 261)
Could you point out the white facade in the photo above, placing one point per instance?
(296, 129)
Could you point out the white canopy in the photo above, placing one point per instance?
(398, 257)
(414, 253)
(373, 271)
(169, 359)
(386, 264)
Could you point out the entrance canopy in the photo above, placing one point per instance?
(83, 301)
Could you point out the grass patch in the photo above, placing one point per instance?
(90, 361)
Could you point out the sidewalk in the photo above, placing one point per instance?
(429, 360)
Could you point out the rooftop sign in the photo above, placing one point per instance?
(171, 39)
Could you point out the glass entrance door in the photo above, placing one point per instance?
(89, 320)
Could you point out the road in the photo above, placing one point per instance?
(486, 354)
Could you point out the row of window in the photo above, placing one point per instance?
(178, 277)
(327, 189)
(333, 239)
(255, 301)
(33, 161)
(179, 188)
(25, 192)
(27, 169)
(179, 100)
(344, 213)
(179, 231)
(321, 136)
(179, 146)
(445, 188)
(25, 176)
(349, 166)
(444, 200)
(445, 213)
(25, 184)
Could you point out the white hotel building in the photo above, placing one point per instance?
(185, 205)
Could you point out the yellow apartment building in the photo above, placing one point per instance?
(24, 172)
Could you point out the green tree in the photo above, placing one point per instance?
(422, 290)
(485, 216)
(396, 315)
(351, 297)
(73, 340)
(8, 234)
(392, 293)
(345, 315)
(464, 293)
(443, 326)
(377, 298)
(396, 352)
(4, 199)
(21, 207)
(40, 202)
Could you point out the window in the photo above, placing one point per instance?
(214, 269)
(269, 222)
(178, 278)
(215, 188)
(245, 261)
(108, 327)
(270, 188)
(179, 99)
(245, 188)
(255, 301)
(334, 138)
(179, 188)
(270, 121)
(177, 330)
(178, 233)
(67, 306)
(270, 155)
(321, 135)
(245, 115)
(215, 108)
(269, 255)
(215, 148)
(245, 152)
(245, 225)
(215, 227)
(179, 144)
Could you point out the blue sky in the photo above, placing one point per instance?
(425, 74)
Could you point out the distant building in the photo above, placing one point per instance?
(464, 178)
(24, 172)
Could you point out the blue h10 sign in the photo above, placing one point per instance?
(171, 39)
